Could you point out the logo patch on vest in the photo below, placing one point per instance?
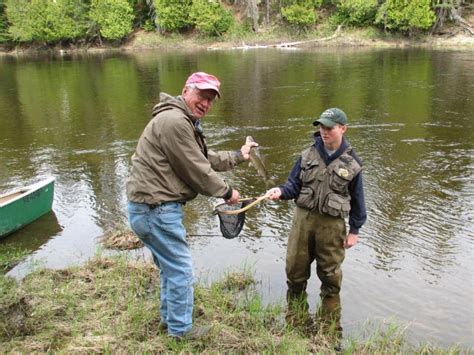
(343, 172)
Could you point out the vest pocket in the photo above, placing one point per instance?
(337, 205)
(306, 198)
(339, 183)
(309, 172)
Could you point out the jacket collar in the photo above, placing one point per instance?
(167, 102)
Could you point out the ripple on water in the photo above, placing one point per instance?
(425, 214)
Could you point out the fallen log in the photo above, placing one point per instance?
(337, 33)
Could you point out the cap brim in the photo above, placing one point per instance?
(325, 122)
(208, 87)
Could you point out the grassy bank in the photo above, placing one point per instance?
(10, 256)
(324, 36)
(112, 305)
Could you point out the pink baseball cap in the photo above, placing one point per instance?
(204, 81)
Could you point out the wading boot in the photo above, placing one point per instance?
(329, 317)
(297, 313)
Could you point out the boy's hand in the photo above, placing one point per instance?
(351, 240)
(274, 193)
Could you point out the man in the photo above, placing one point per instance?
(171, 166)
(326, 183)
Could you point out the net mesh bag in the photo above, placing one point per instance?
(231, 224)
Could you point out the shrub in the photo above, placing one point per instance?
(172, 15)
(406, 15)
(113, 17)
(144, 11)
(307, 3)
(239, 30)
(357, 12)
(18, 16)
(48, 21)
(299, 15)
(3, 23)
(210, 17)
(149, 25)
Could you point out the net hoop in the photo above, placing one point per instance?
(231, 220)
(243, 209)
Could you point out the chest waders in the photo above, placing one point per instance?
(318, 230)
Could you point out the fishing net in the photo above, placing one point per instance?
(232, 221)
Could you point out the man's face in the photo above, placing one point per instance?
(332, 136)
(199, 101)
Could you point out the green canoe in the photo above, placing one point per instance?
(23, 206)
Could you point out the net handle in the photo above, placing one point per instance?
(248, 198)
(259, 199)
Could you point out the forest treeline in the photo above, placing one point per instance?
(93, 21)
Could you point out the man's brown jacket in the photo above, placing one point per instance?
(172, 162)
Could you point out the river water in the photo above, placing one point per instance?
(411, 112)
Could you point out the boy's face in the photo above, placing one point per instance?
(332, 136)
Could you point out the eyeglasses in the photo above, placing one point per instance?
(206, 96)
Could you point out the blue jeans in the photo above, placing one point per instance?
(161, 230)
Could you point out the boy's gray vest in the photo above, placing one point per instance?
(326, 188)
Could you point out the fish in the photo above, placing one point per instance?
(257, 162)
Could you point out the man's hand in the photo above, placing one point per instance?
(274, 193)
(234, 198)
(351, 240)
(245, 150)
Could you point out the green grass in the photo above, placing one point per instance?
(10, 256)
(111, 305)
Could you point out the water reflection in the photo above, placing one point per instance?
(78, 118)
(34, 235)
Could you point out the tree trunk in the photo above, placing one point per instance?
(152, 13)
(451, 10)
(151, 9)
(267, 13)
(252, 12)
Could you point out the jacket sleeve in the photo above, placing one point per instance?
(358, 213)
(223, 161)
(291, 189)
(188, 161)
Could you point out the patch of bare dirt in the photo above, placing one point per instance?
(15, 316)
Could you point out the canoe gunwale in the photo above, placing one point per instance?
(25, 191)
